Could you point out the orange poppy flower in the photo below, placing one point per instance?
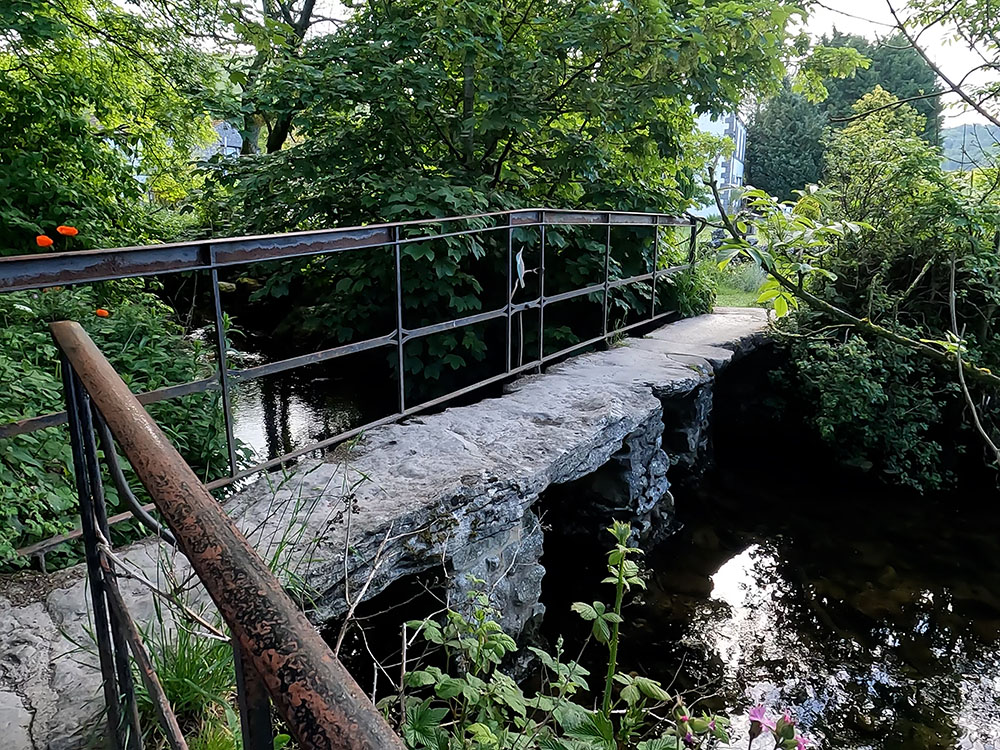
(100, 312)
(67, 231)
(43, 241)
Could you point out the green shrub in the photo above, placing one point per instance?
(149, 350)
(878, 407)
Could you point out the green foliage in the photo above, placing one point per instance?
(195, 669)
(822, 66)
(785, 145)
(878, 243)
(481, 706)
(37, 494)
(877, 406)
(787, 136)
(92, 133)
(894, 67)
(410, 110)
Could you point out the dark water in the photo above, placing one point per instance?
(873, 616)
(274, 418)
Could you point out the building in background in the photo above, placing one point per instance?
(228, 141)
(729, 171)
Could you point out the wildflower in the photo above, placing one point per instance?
(757, 715)
(684, 717)
(801, 743)
(100, 312)
(689, 739)
(67, 231)
(43, 241)
(711, 725)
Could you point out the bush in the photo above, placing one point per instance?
(149, 350)
(878, 407)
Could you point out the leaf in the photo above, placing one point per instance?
(586, 611)
(450, 687)
(482, 735)
(781, 306)
(651, 689)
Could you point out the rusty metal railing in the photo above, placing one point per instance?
(279, 656)
(211, 256)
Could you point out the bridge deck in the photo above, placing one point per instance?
(452, 488)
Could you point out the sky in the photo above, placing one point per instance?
(874, 19)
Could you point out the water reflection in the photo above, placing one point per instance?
(276, 415)
(876, 625)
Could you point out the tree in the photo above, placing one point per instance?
(896, 68)
(92, 130)
(785, 144)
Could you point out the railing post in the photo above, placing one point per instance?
(510, 287)
(607, 275)
(541, 296)
(399, 317)
(693, 244)
(220, 347)
(254, 704)
(123, 668)
(102, 628)
(656, 263)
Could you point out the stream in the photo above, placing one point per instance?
(872, 615)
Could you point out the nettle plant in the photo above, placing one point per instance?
(472, 702)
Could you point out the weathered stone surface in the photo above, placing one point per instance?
(452, 491)
(15, 721)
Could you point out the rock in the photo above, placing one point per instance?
(15, 721)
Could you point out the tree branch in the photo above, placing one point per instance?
(937, 71)
(891, 105)
(862, 324)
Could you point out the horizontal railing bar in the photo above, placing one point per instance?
(31, 424)
(22, 272)
(39, 548)
(643, 322)
(294, 662)
(616, 283)
(531, 304)
(303, 360)
(573, 294)
(448, 325)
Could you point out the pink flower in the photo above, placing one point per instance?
(757, 714)
(801, 743)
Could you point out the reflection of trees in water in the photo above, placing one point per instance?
(868, 625)
(297, 412)
(277, 427)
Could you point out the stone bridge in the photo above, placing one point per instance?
(456, 491)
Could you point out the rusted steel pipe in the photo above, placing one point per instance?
(319, 700)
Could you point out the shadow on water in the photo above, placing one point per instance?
(872, 614)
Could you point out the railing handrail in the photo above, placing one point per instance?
(38, 270)
(318, 699)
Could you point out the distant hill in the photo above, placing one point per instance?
(969, 146)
